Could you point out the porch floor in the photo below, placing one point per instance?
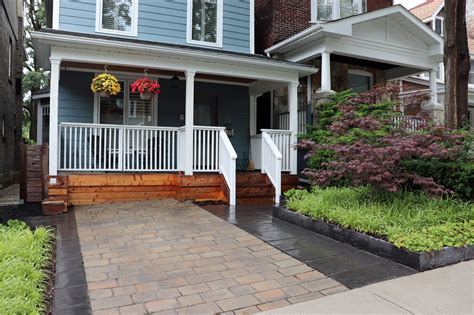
(153, 256)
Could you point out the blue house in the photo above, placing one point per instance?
(196, 131)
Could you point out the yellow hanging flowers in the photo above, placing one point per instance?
(106, 83)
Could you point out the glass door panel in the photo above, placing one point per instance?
(112, 108)
(140, 112)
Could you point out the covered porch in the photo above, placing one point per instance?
(200, 123)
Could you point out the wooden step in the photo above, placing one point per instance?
(256, 191)
(251, 179)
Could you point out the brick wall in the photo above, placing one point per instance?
(10, 100)
(277, 20)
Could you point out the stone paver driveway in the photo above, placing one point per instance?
(172, 257)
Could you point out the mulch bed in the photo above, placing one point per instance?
(51, 271)
(20, 211)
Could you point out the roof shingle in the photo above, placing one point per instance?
(426, 9)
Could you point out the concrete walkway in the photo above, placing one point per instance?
(172, 257)
(446, 290)
(10, 196)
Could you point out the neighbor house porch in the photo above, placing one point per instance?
(200, 124)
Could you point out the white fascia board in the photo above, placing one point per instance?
(172, 63)
(381, 52)
(295, 39)
(205, 59)
(308, 52)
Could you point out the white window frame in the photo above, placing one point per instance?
(98, 20)
(336, 10)
(220, 26)
(127, 79)
(433, 24)
(365, 74)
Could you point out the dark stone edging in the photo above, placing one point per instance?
(419, 261)
(70, 287)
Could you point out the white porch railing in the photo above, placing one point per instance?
(282, 140)
(150, 149)
(284, 121)
(227, 162)
(115, 148)
(410, 123)
(206, 148)
(271, 163)
(88, 147)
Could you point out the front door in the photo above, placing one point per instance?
(205, 110)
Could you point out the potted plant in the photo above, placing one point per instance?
(146, 87)
(106, 85)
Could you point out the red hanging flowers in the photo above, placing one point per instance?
(145, 85)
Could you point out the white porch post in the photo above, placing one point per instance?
(433, 87)
(326, 71)
(293, 109)
(53, 117)
(189, 123)
(253, 115)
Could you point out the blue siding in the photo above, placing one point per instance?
(163, 21)
(76, 100)
(232, 104)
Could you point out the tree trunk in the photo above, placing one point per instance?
(456, 62)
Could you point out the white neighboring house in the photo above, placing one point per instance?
(431, 12)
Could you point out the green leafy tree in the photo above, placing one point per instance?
(34, 77)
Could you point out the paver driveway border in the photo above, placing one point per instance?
(172, 257)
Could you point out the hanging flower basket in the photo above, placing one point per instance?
(146, 87)
(106, 85)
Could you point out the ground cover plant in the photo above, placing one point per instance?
(25, 255)
(409, 220)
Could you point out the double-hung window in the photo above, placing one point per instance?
(328, 10)
(117, 17)
(205, 22)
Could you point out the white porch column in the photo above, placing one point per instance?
(189, 123)
(53, 117)
(326, 71)
(433, 87)
(293, 109)
(253, 115)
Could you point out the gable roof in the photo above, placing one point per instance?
(426, 10)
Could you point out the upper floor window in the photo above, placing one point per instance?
(328, 10)
(438, 25)
(205, 22)
(117, 17)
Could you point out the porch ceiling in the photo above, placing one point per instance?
(98, 49)
(153, 72)
(391, 36)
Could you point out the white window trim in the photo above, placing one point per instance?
(98, 20)
(365, 74)
(336, 10)
(127, 79)
(220, 26)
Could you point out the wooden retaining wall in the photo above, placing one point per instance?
(89, 189)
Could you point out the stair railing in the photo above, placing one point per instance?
(271, 163)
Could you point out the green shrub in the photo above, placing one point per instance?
(409, 220)
(455, 176)
(24, 256)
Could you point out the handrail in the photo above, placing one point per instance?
(273, 131)
(227, 165)
(272, 163)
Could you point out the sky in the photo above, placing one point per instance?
(408, 3)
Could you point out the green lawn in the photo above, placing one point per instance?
(408, 220)
(24, 257)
